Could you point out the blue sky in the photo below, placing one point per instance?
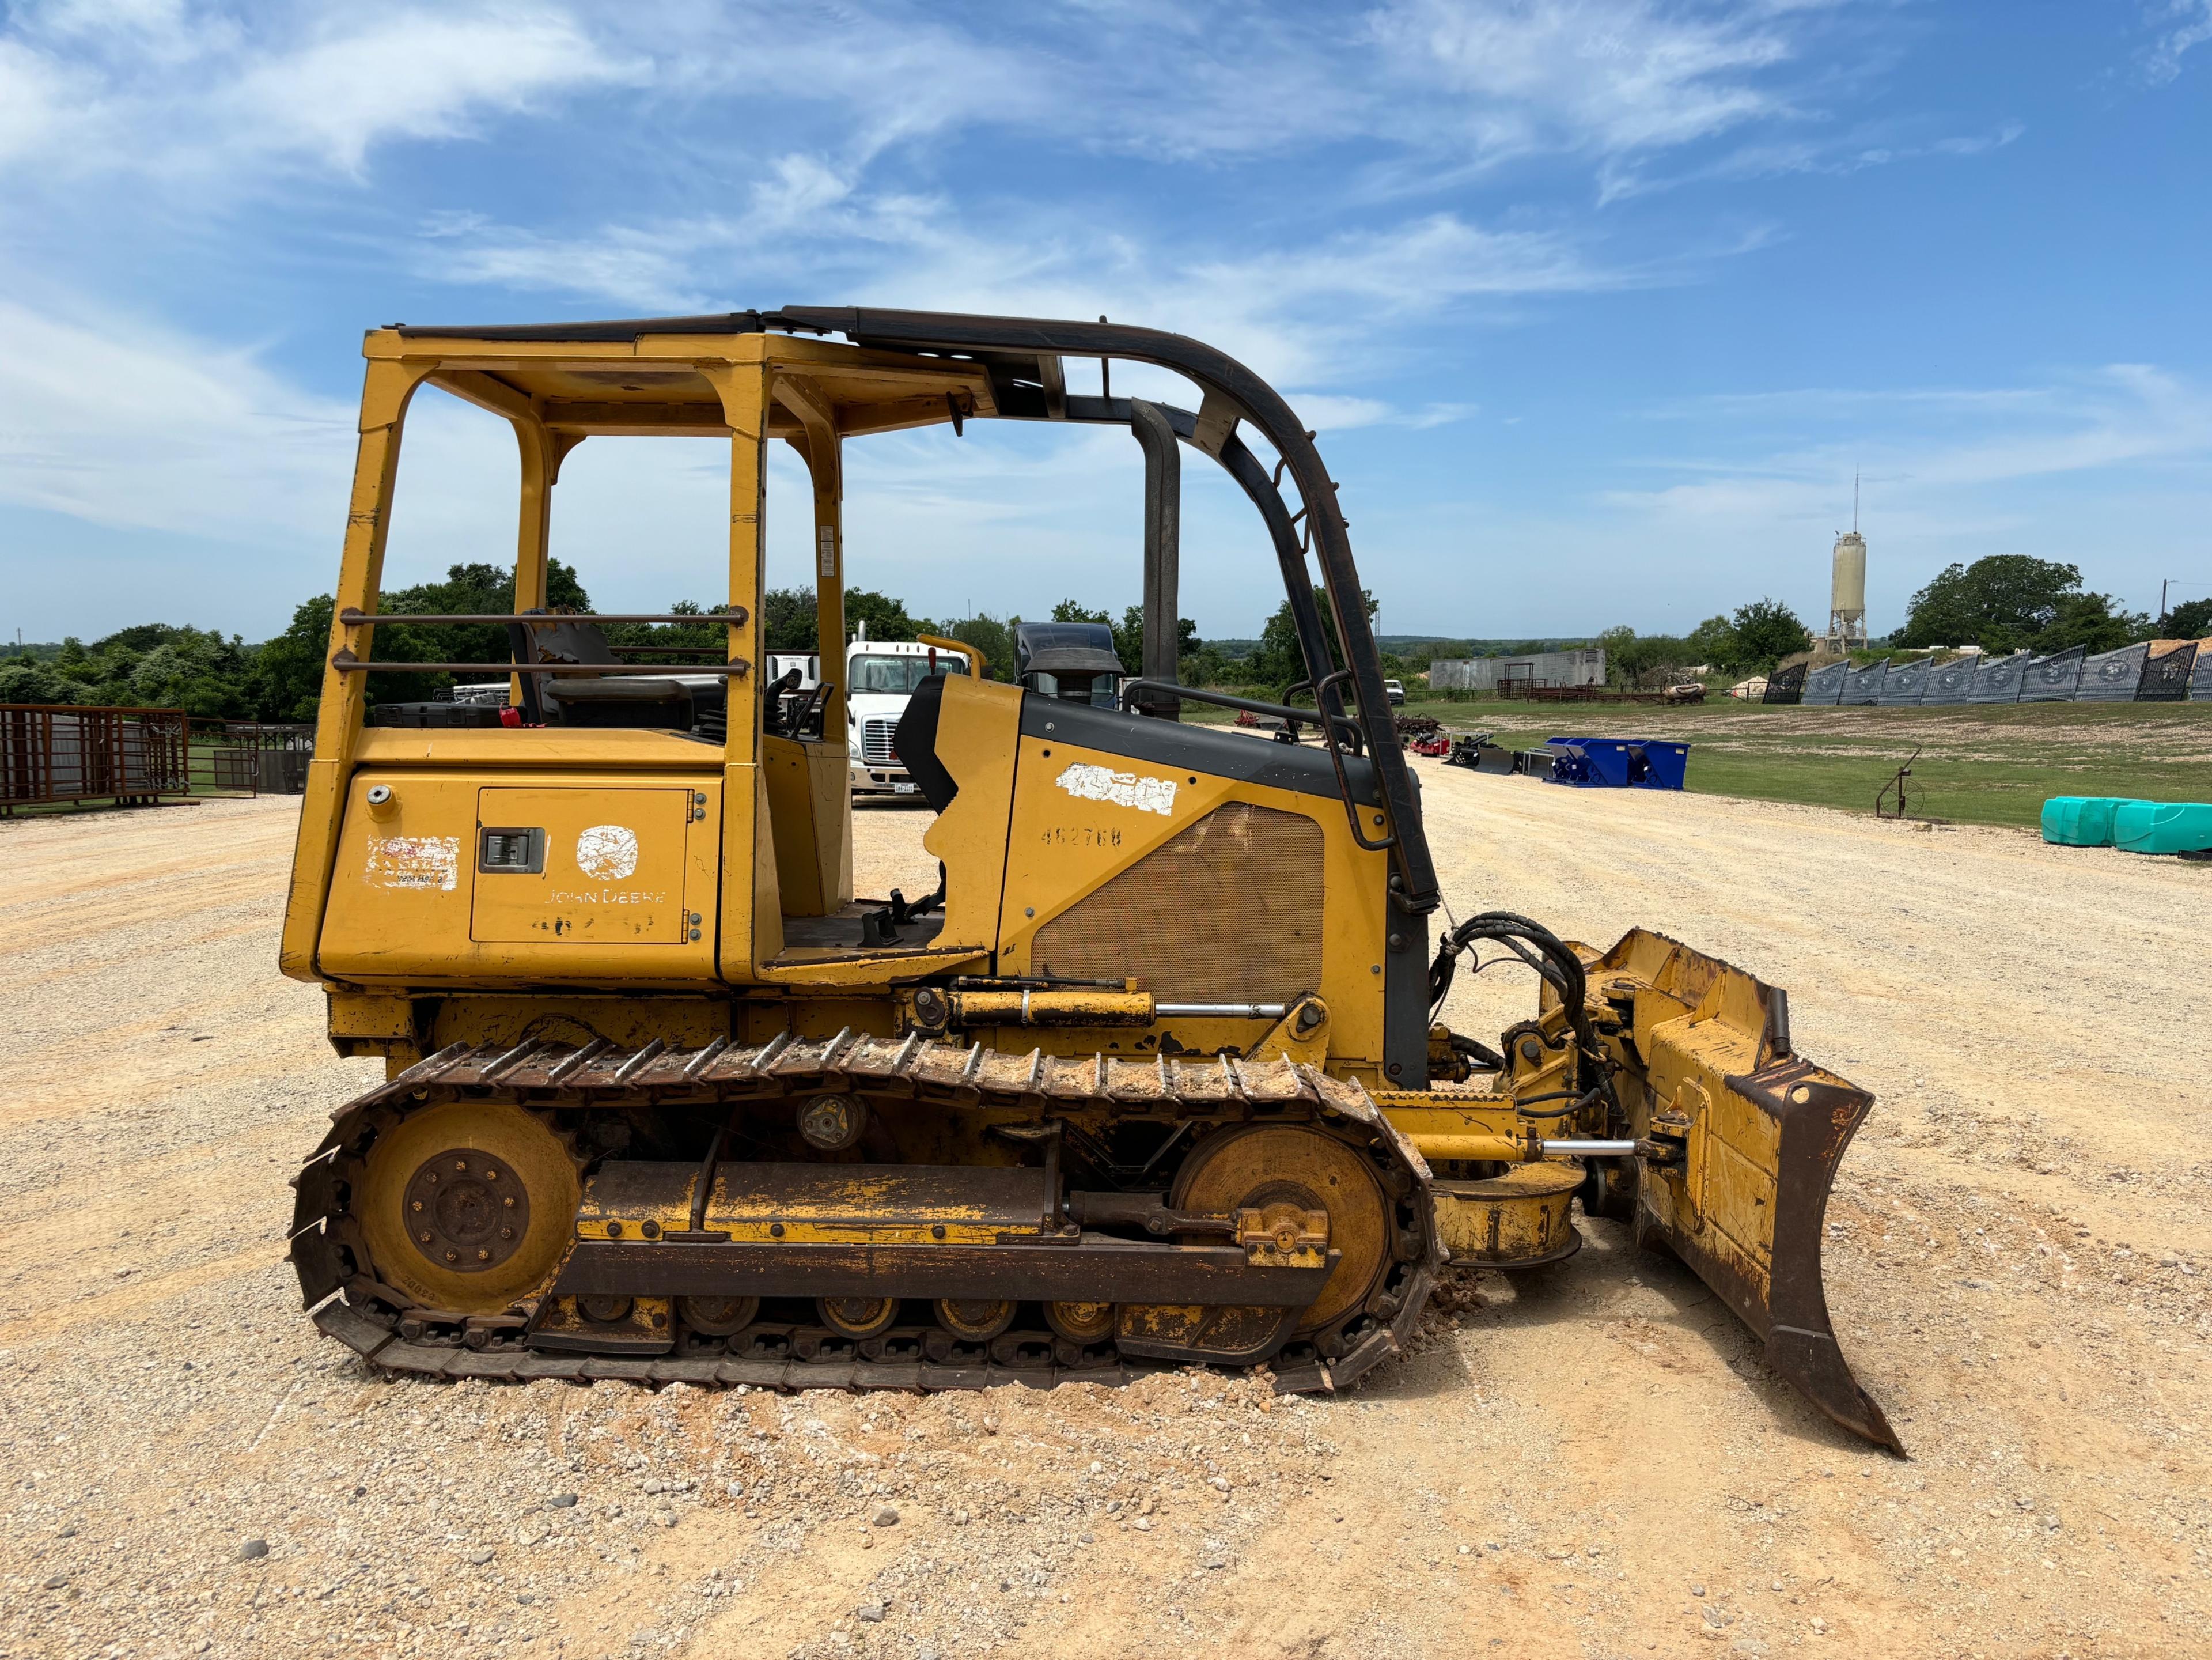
(1597, 305)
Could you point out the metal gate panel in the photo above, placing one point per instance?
(2166, 672)
(61, 752)
(2112, 677)
(1951, 681)
(2200, 677)
(2053, 679)
(1862, 687)
(1998, 679)
(1825, 685)
(1907, 681)
(1785, 685)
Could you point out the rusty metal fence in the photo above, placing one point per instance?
(68, 754)
(250, 757)
(58, 753)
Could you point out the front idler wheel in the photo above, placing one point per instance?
(1279, 1170)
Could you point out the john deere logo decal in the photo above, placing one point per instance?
(608, 852)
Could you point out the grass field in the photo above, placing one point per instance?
(1989, 764)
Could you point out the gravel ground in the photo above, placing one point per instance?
(1591, 1461)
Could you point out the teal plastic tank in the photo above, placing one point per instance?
(2162, 826)
(2081, 821)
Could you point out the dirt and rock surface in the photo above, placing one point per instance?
(1589, 1461)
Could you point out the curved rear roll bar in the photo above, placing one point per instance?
(1336, 730)
(1031, 390)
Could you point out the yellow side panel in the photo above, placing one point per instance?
(625, 863)
(400, 889)
(978, 730)
(1082, 817)
(791, 819)
(811, 814)
(832, 787)
(1225, 911)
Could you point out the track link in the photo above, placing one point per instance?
(338, 1283)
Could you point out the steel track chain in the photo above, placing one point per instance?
(336, 1281)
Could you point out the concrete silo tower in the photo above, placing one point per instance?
(1847, 630)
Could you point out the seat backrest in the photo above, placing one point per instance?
(570, 641)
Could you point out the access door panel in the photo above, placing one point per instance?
(581, 867)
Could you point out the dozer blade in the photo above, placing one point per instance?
(1754, 1135)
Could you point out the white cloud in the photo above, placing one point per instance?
(2187, 25)
(178, 91)
(1452, 83)
(1609, 76)
(36, 93)
(1908, 445)
(1294, 314)
(403, 75)
(123, 423)
(1833, 155)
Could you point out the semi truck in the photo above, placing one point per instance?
(880, 676)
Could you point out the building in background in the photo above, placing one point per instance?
(1581, 668)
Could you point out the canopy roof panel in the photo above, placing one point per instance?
(649, 376)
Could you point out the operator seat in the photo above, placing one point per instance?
(664, 703)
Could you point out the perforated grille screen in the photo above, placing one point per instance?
(1229, 911)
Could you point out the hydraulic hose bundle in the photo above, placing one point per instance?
(1554, 960)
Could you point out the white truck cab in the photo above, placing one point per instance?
(880, 676)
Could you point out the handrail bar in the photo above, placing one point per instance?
(1230, 701)
(352, 616)
(346, 663)
(1344, 779)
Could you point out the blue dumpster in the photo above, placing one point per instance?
(1619, 763)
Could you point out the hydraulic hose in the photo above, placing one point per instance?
(1553, 959)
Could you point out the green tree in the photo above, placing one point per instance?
(1643, 660)
(787, 619)
(287, 673)
(23, 681)
(886, 617)
(2189, 621)
(1766, 631)
(1204, 664)
(1129, 639)
(193, 670)
(1280, 662)
(788, 616)
(2092, 620)
(994, 638)
(2000, 602)
(1714, 640)
(288, 670)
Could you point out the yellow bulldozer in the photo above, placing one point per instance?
(1154, 1078)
